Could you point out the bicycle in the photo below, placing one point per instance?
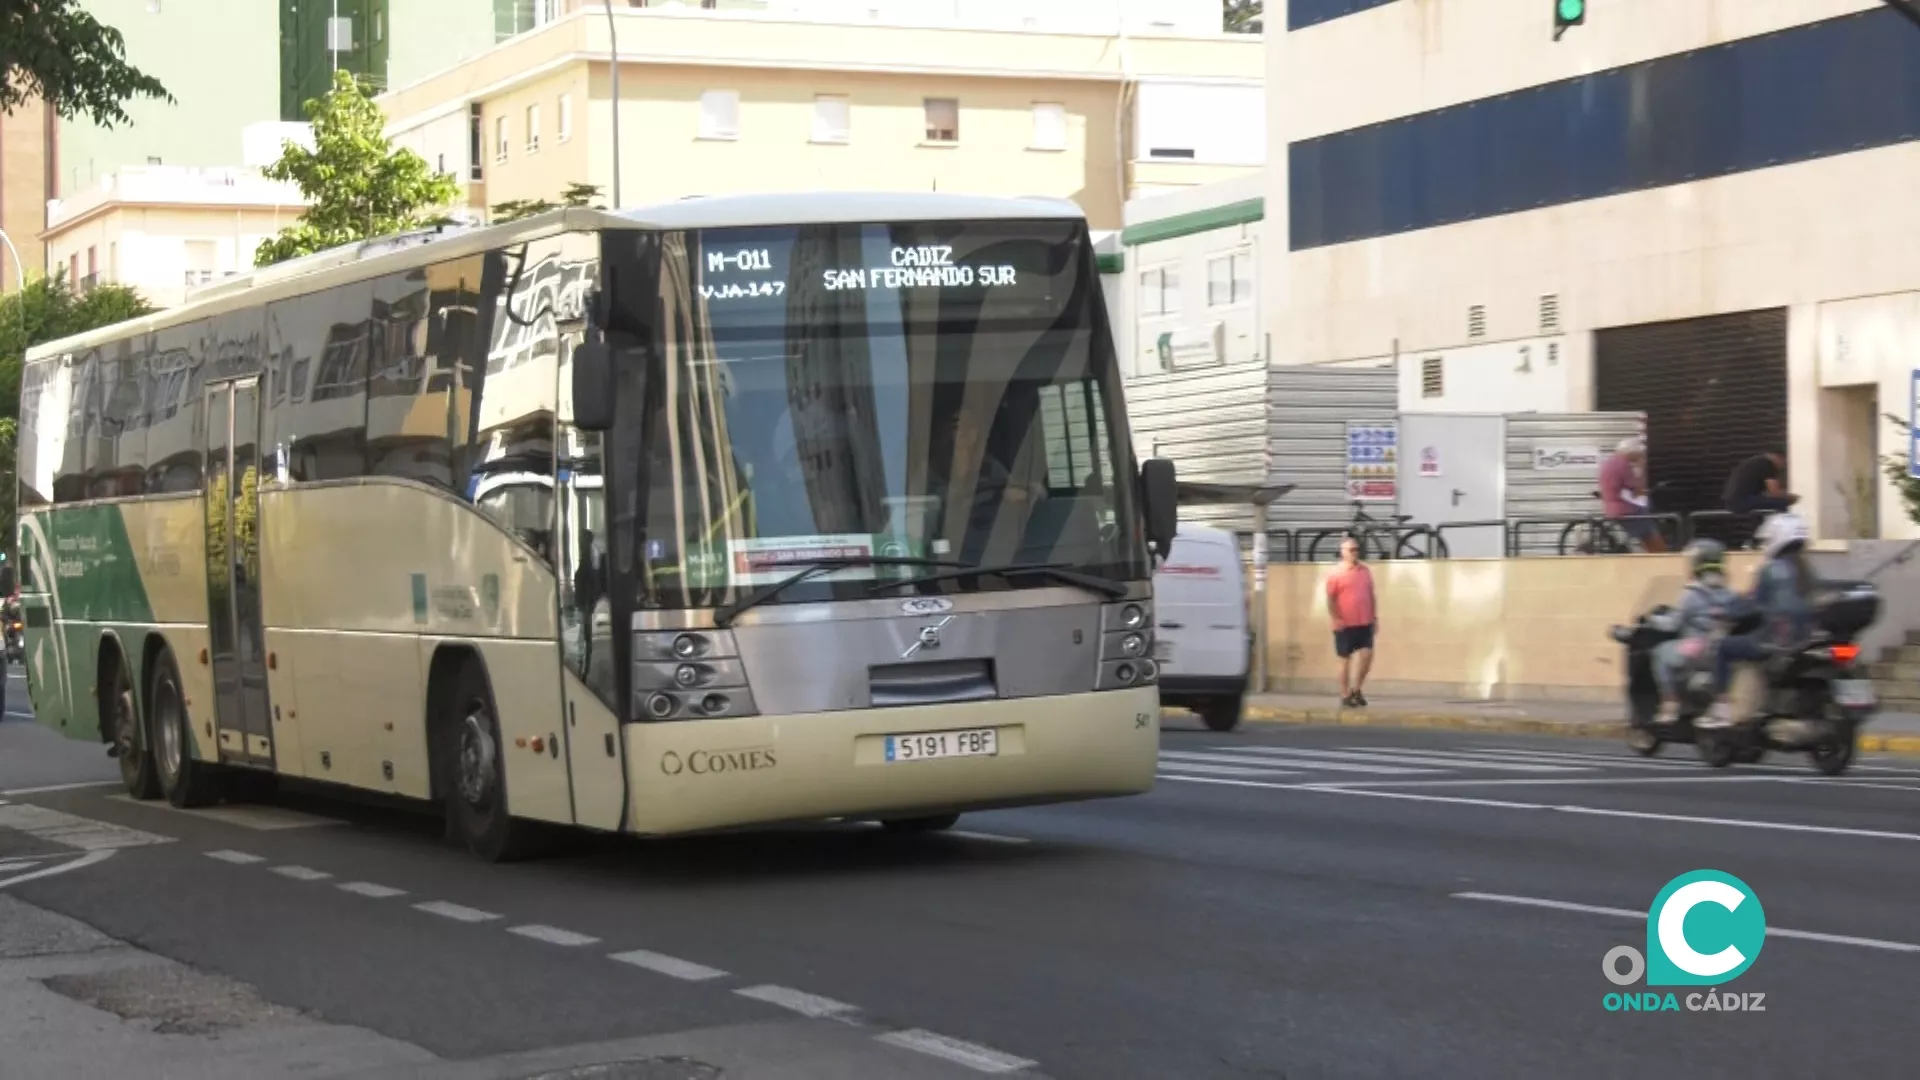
(1602, 535)
(1384, 538)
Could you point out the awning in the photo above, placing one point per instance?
(1192, 493)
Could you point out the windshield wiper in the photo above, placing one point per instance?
(1107, 587)
(726, 613)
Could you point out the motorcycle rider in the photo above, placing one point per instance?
(1703, 602)
(1783, 596)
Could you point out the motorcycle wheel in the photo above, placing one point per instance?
(1833, 756)
(1643, 741)
(1716, 748)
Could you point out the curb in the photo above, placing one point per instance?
(1504, 725)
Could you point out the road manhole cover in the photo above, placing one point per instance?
(659, 1068)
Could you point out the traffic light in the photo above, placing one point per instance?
(1567, 13)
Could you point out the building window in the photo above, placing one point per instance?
(943, 120)
(474, 142)
(1229, 279)
(1160, 290)
(1049, 126)
(720, 114)
(499, 138)
(533, 129)
(563, 129)
(832, 118)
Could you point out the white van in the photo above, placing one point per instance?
(1204, 641)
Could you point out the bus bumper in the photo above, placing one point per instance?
(716, 774)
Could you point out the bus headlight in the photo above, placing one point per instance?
(1133, 616)
(686, 675)
(1133, 644)
(686, 646)
(661, 706)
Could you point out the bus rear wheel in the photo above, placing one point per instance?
(915, 825)
(185, 781)
(475, 770)
(135, 755)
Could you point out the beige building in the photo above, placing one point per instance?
(715, 101)
(165, 229)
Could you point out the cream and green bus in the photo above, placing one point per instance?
(729, 511)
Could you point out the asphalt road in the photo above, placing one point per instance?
(1288, 903)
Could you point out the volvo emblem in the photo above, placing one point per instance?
(927, 638)
(926, 605)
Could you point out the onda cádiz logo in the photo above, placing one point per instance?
(1705, 928)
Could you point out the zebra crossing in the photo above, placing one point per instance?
(1349, 765)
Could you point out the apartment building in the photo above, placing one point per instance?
(231, 65)
(1096, 100)
(1697, 209)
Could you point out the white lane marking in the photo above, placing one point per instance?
(1843, 781)
(369, 890)
(72, 830)
(258, 818)
(1579, 761)
(991, 838)
(668, 965)
(20, 864)
(972, 1055)
(90, 858)
(1499, 804)
(301, 873)
(552, 935)
(1607, 759)
(1304, 759)
(1407, 758)
(456, 912)
(799, 1001)
(61, 787)
(1558, 781)
(1772, 931)
(1224, 770)
(20, 715)
(238, 858)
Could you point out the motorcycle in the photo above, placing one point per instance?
(1815, 696)
(16, 633)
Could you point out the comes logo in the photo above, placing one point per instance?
(708, 762)
(1705, 927)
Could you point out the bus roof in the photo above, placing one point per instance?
(396, 254)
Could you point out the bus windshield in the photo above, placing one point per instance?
(942, 391)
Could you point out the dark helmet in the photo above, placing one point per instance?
(1706, 556)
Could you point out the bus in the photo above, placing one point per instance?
(726, 512)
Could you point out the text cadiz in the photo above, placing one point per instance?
(930, 265)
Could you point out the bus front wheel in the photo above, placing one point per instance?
(476, 771)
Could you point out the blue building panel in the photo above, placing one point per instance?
(1813, 91)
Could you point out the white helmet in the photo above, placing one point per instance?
(1781, 531)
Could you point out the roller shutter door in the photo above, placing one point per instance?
(1714, 391)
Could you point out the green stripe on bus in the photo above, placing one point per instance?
(93, 567)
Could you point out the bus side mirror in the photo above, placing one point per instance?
(1161, 502)
(593, 386)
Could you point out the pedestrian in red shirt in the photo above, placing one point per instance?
(1350, 602)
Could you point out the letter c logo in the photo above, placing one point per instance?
(1673, 933)
(671, 764)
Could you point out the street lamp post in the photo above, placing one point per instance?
(613, 45)
(19, 271)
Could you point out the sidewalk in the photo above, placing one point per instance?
(1889, 733)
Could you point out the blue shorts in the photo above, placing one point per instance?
(1352, 639)
(1641, 529)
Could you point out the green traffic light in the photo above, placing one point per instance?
(1573, 10)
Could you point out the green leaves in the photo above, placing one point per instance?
(357, 185)
(1241, 16)
(1894, 467)
(577, 195)
(53, 50)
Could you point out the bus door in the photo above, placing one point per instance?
(237, 642)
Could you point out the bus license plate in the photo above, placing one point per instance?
(1853, 693)
(980, 742)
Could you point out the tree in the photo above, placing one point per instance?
(577, 195)
(1894, 466)
(1241, 16)
(47, 309)
(50, 49)
(357, 185)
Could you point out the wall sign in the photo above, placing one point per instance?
(1373, 461)
(1565, 458)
